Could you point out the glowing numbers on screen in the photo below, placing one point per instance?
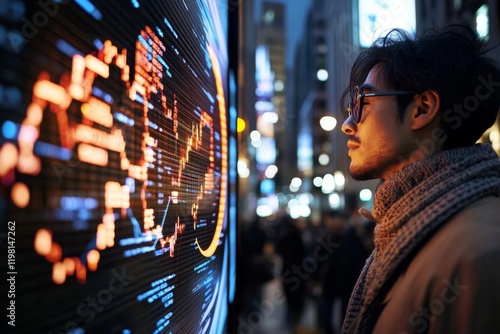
(92, 146)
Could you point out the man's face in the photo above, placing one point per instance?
(379, 143)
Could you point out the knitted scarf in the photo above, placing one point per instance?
(408, 208)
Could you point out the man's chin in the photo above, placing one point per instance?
(359, 174)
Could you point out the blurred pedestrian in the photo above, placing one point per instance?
(257, 268)
(290, 246)
(342, 267)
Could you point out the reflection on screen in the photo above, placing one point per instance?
(114, 164)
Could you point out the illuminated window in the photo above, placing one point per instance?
(482, 22)
(269, 16)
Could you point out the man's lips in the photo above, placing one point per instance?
(352, 145)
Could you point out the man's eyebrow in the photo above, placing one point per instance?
(369, 87)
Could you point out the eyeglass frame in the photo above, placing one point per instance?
(360, 96)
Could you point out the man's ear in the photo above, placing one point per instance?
(425, 109)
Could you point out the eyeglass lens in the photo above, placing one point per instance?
(355, 103)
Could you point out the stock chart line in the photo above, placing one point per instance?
(163, 220)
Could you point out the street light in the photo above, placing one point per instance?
(328, 123)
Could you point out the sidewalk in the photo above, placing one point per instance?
(270, 317)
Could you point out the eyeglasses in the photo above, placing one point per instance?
(355, 106)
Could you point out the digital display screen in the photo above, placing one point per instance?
(114, 166)
(378, 17)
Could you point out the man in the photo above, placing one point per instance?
(417, 108)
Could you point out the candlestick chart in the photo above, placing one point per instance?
(114, 167)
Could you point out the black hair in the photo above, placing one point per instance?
(451, 61)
